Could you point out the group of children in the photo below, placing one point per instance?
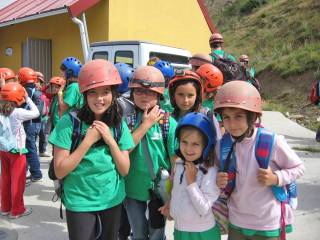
(111, 152)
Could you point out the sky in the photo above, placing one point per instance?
(4, 3)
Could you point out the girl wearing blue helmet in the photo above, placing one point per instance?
(69, 96)
(194, 185)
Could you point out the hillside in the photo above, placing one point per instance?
(282, 39)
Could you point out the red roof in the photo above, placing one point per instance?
(28, 8)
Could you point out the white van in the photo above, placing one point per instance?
(136, 53)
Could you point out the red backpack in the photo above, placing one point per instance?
(315, 93)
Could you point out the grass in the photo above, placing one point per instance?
(279, 35)
(271, 105)
(307, 149)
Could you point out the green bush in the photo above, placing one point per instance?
(250, 5)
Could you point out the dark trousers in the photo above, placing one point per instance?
(86, 225)
(125, 229)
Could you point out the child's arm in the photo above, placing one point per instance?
(121, 158)
(147, 122)
(64, 162)
(25, 115)
(203, 196)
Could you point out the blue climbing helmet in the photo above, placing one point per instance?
(71, 67)
(126, 73)
(166, 68)
(201, 122)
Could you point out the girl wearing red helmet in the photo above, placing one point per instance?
(93, 164)
(13, 158)
(185, 91)
(257, 189)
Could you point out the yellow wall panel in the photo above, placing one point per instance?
(178, 23)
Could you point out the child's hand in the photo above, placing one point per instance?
(152, 117)
(222, 179)
(165, 210)
(191, 172)
(266, 177)
(104, 131)
(92, 135)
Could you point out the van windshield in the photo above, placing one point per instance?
(175, 59)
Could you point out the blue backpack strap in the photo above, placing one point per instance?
(263, 151)
(228, 162)
(117, 132)
(76, 130)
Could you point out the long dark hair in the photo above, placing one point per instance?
(197, 103)
(7, 107)
(112, 116)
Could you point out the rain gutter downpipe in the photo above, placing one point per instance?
(84, 36)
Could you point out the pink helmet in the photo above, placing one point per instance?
(216, 38)
(238, 94)
(244, 58)
(98, 73)
(199, 58)
(148, 77)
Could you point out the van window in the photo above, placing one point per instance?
(100, 55)
(170, 57)
(124, 57)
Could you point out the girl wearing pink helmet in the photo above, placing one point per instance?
(93, 165)
(153, 133)
(256, 167)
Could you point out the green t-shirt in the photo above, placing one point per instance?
(54, 111)
(221, 53)
(73, 97)
(95, 183)
(165, 104)
(138, 181)
(208, 103)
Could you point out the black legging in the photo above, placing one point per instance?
(83, 225)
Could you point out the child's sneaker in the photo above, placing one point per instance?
(27, 212)
(4, 213)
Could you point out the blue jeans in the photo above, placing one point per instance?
(140, 226)
(43, 135)
(32, 130)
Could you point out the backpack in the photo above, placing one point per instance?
(76, 138)
(230, 69)
(37, 98)
(7, 139)
(314, 96)
(263, 150)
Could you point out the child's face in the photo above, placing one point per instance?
(185, 96)
(54, 88)
(235, 121)
(99, 100)
(144, 98)
(191, 144)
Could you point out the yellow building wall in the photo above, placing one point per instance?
(63, 33)
(178, 23)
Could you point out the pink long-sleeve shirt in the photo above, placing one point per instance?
(252, 205)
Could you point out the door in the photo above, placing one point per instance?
(36, 54)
